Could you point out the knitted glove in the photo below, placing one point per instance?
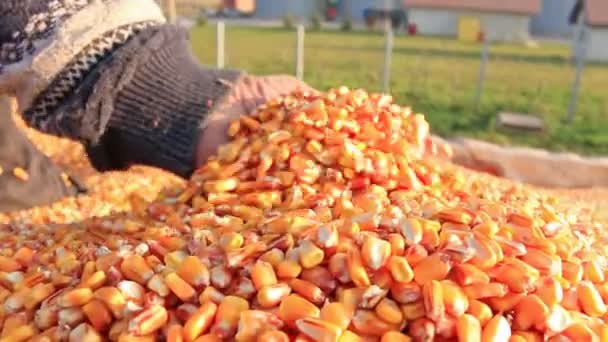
(110, 74)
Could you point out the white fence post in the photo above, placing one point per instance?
(221, 37)
(300, 53)
(485, 54)
(388, 52)
(580, 49)
(171, 11)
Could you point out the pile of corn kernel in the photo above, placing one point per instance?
(321, 220)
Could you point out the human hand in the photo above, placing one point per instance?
(247, 94)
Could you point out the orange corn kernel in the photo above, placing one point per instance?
(200, 321)
(497, 329)
(336, 313)
(468, 328)
(228, 314)
(180, 287)
(194, 272)
(98, 314)
(434, 267)
(294, 307)
(262, 274)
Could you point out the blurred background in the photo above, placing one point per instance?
(519, 72)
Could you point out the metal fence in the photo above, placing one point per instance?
(438, 76)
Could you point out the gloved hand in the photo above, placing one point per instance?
(110, 74)
(247, 94)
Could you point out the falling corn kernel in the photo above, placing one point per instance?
(21, 174)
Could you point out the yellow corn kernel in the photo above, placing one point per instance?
(310, 254)
(21, 174)
(375, 252)
(21, 333)
(400, 269)
(480, 311)
(274, 257)
(75, 297)
(590, 300)
(231, 241)
(94, 281)
(468, 328)
(174, 259)
(337, 314)
(223, 185)
(270, 296)
(37, 294)
(357, 272)
(112, 298)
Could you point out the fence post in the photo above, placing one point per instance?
(485, 54)
(221, 36)
(388, 51)
(580, 66)
(171, 11)
(300, 53)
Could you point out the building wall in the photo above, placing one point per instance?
(553, 19)
(497, 26)
(597, 44)
(276, 9)
(356, 7)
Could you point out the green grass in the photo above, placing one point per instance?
(438, 77)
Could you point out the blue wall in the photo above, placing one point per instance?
(275, 9)
(357, 7)
(553, 20)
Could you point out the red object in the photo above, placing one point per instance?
(332, 13)
(359, 183)
(412, 29)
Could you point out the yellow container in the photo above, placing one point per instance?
(469, 29)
